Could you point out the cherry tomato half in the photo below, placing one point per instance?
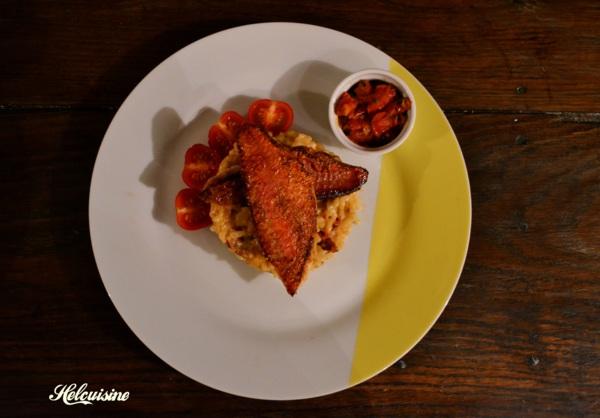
(222, 134)
(193, 212)
(272, 115)
(201, 163)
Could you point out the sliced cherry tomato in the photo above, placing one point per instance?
(201, 163)
(193, 212)
(272, 115)
(363, 89)
(384, 121)
(381, 97)
(345, 105)
(219, 141)
(222, 134)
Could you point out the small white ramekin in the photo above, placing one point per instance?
(372, 74)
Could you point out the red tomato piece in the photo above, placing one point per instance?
(222, 135)
(201, 163)
(193, 212)
(272, 115)
(363, 89)
(360, 112)
(345, 105)
(231, 122)
(381, 97)
(404, 105)
(358, 130)
(219, 141)
(384, 121)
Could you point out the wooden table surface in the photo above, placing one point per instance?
(520, 84)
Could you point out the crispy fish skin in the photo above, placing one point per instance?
(332, 177)
(282, 201)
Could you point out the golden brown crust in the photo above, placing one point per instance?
(332, 177)
(234, 226)
(233, 223)
(281, 197)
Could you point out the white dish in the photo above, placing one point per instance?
(372, 74)
(193, 303)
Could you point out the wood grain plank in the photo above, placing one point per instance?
(471, 55)
(519, 337)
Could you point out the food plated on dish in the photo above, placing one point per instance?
(275, 197)
(372, 111)
(191, 301)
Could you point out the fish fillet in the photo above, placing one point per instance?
(282, 200)
(332, 177)
(226, 192)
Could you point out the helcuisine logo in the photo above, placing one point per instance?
(73, 395)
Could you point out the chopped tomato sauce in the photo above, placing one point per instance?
(372, 112)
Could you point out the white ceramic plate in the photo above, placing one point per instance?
(217, 320)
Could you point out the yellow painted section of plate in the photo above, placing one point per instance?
(420, 238)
